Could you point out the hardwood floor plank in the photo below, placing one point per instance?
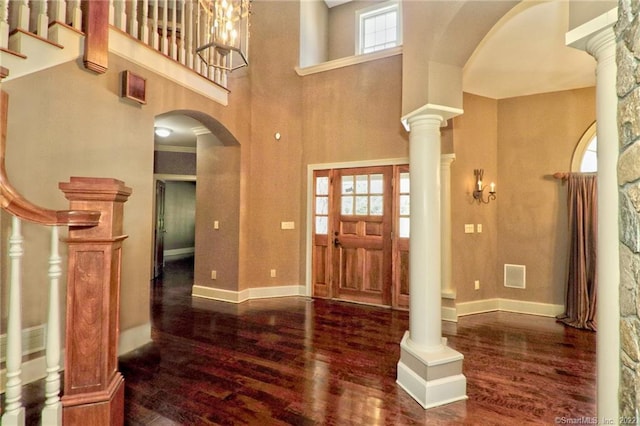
(296, 361)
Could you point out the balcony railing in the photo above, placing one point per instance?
(173, 28)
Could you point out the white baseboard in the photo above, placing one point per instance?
(248, 294)
(449, 314)
(180, 253)
(133, 338)
(509, 305)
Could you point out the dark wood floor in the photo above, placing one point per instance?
(302, 362)
(298, 361)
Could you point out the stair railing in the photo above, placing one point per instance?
(93, 387)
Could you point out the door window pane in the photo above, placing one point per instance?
(375, 205)
(347, 185)
(346, 207)
(404, 183)
(362, 184)
(321, 225)
(404, 227)
(322, 185)
(362, 205)
(377, 184)
(322, 205)
(404, 205)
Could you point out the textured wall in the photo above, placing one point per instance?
(628, 88)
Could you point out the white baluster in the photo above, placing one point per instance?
(183, 30)
(52, 412)
(42, 25)
(4, 23)
(165, 24)
(120, 17)
(188, 35)
(133, 18)
(74, 16)
(59, 11)
(14, 411)
(174, 31)
(23, 15)
(154, 24)
(144, 27)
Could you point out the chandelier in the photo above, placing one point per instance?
(223, 33)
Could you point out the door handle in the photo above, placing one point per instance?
(336, 242)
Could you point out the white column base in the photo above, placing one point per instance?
(431, 378)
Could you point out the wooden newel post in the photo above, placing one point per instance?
(93, 386)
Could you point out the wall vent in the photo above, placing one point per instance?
(515, 276)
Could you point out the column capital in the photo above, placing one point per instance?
(430, 113)
(447, 159)
(593, 35)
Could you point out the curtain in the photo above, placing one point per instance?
(581, 277)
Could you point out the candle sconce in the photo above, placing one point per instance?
(478, 190)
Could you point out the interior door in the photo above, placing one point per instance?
(361, 234)
(159, 230)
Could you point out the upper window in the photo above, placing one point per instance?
(379, 27)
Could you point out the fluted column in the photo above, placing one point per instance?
(598, 39)
(428, 370)
(424, 246)
(445, 217)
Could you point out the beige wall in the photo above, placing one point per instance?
(536, 137)
(519, 142)
(475, 137)
(272, 182)
(218, 199)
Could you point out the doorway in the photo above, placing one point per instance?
(360, 235)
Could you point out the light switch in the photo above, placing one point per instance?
(468, 228)
(479, 228)
(287, 225)
(216, 224)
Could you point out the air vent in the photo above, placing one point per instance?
(515, 276)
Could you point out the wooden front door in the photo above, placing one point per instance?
(352, 237)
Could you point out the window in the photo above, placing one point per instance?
(590, 157)
(585, 155)
(404, 219)
(362, 195)
(322, 205)
(379, 27)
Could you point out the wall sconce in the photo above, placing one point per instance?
(478, 190)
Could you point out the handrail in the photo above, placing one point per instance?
(17, 205)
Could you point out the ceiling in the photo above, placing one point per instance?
(523, 54)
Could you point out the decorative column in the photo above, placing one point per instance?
(428, 370)
(597, 38)
(445, 217)
(93, 387)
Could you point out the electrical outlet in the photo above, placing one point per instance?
(273, 273)
(214, 275)
(476, 284)
(479, 228)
